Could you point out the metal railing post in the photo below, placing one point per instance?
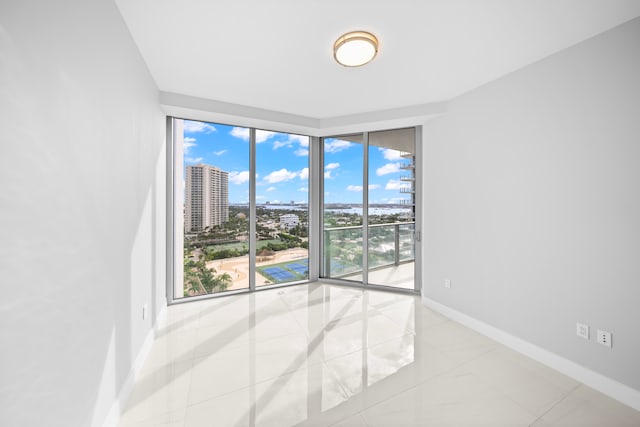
(397, 242)
(396, 237)
(327, 254)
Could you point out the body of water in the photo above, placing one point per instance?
(374, 210)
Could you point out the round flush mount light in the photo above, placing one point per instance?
(355, 48)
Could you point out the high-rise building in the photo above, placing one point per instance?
(206, 197)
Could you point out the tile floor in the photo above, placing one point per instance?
(323, 355)
(397, 276)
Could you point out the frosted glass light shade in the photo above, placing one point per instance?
(355, 48)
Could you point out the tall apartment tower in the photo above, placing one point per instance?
(206, 197)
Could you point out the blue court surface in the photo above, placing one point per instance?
(279, 273)
(298, 268)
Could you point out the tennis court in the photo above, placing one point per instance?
(279, 274)
(298, 268)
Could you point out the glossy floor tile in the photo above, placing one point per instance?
(396, 276)
(324, 355)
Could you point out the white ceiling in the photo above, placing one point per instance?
(277, 54)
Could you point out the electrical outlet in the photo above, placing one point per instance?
(604, 338)
(582, 330)
(447, 283)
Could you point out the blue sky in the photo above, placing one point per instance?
(282, 162)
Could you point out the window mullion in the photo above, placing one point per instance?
(252, 209)
(365, 208)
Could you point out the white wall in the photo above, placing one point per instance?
(81, 209)
(532, 203)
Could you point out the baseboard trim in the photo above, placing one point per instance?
(112, 418)
(605, 385)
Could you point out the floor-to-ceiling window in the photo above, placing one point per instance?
(282, 213)
(369, 201)
(343, 252)
(241, 208)
(391, 208)
(216, 208)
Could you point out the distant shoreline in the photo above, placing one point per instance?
(353, 208)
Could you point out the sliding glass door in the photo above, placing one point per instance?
(343, 238)
(391, 208)
(369, 207)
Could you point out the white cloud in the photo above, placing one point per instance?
(260, 197)
(328, 169)
(394, 184)
(243, 134)
(388, 168)
(195, 127)
(304, 189)
(263, 135)
(332, 166)
(220, 153)
(391, 154)
(304, 173)
(336, 145)
(301, 139)
(271, 188)
(278, 144)
(188, 144)
(193, 159)
(281, 175)
(359, 187)
(239, 177)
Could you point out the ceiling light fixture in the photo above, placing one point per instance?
(355, 48)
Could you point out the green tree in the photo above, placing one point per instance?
(199, 279)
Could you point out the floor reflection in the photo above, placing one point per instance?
(322, 355)
(277, 357)
(395, 276)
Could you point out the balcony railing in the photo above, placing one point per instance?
(389, 244)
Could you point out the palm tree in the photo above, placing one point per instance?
(200, 279)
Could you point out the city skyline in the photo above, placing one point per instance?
(282, 165)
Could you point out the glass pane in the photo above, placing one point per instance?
(343, 163)
(391, 208)
(216, 208)
(282, 207)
